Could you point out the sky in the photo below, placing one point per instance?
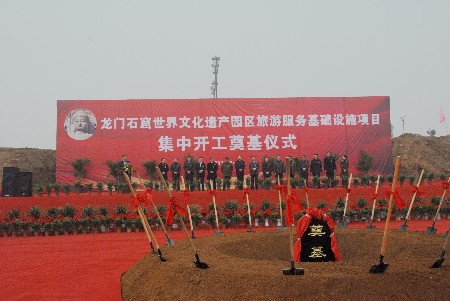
(113, 49)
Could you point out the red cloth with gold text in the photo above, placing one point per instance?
(303, 225)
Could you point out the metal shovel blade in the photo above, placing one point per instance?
(371, 227)
(430, 230)
(438, 263)
(403, 227)
(445, 235)
(343, 224)
(199, 264)
(160, 255)
(293, 271)
(379, 268)
(193, 236)
(170, 241)
(218, 233)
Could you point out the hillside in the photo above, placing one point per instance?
(41, 162)
(417, 152)
(431, 153)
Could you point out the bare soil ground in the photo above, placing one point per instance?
(246, 266)
(417, 152)
(41, 162)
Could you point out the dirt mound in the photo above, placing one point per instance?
(247, 266)
(41, 162)
(417, 152)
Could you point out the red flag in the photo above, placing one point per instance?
(441, 115)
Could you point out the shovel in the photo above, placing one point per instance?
(371, 226)
(170, 242)
(432, 229)
(404, 227)
(281, 205)
(292, 271)
(188, 211)
(218, 232)
(148, 230)
(441, 258)
(248, 210)
(381, 266)
(344, 222)
(199, 264)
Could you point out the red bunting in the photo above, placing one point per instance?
(419, 192)
(305, 189)
(374, 196)
(399, 202)
(186, 196)
(171, 212)
(349, 190)
(213, 192)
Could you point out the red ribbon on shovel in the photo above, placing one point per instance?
(399, 202)
(171, 213)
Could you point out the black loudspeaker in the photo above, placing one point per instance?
(24, 184)
(9, 181)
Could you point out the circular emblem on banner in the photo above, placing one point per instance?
(80, 124)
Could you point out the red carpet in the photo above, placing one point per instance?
(89, 266)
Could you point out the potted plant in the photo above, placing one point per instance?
(39, 189)
(89, 187)
(110, 186)
(48, 189)
(66, 188)
(78, 187)
(402, 179)
(56, 188)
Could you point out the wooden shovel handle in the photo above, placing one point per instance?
(440, 203)
(183, 226)
(391, 201)
(158, 216)
(414, 196)
(148, 230)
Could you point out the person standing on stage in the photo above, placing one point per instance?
(164, 167)
(344, 164)
(227, 170)
(316, 168)
(200, 168)
(293, 168)
(240, 170)
(278, 169)
(304, 168)
(212, 168)
(267, 173)
(175, 168)
(189, 169)
(254, 171)
(329, 165)
(125, 166)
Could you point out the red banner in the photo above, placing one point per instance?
(102, 130)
